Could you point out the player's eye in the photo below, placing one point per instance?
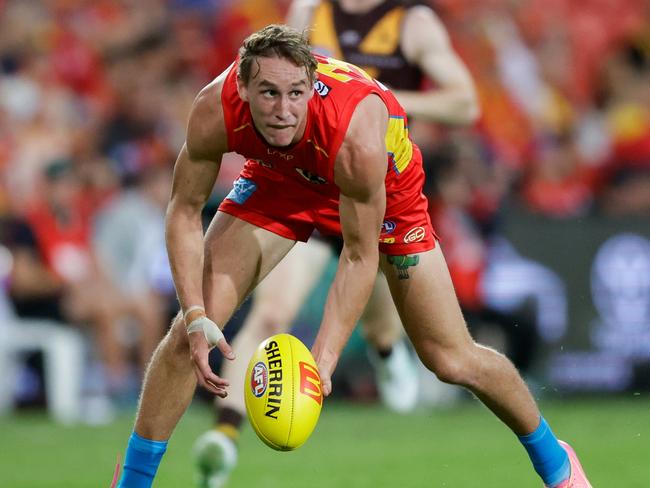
(296, 93)
(269, 93)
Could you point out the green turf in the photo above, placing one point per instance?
(353, 446)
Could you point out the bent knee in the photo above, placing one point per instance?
(453, 366)
(272, 319)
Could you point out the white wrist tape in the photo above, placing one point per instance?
(192, 309)
(210, 330)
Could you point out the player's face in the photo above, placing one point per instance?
(278, 93)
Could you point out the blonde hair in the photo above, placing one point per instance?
(276, 40)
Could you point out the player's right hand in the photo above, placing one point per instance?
(204, 334)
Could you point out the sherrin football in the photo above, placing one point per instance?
(283, 392)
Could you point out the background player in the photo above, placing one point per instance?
(348, 135)
(405, 46)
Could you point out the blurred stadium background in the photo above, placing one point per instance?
(543, 207)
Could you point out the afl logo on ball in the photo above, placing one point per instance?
(416, 234)
(259, 379)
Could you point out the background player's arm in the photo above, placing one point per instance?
(360, 173)
(195, 172)
(425, 42)
(301, 13)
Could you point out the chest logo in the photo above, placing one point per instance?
(311, 177)
(279, 154)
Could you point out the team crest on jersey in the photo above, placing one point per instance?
(311, 177)
(416, 234)
(321, 88)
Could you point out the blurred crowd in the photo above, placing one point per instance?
(95, 94)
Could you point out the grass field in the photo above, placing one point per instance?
(353, 447)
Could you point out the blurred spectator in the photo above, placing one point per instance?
(76, 289)
(627, 90)
(544, 117)
(34, 290)
(130, 244)
(557, 184)
(509, 302)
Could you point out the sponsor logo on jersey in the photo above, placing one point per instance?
(416, 234)
(274, 360)
(259, 379)
(388, 226)
(311, 177)
(321, 88)
(275, 152)
(387, 240)
(310, 382)
(241, 191)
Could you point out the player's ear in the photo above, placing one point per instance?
(242, 90)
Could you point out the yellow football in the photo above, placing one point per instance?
(283, 392)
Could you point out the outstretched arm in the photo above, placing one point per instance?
(195, 172)
(360, 172)
(301, 13)
(425, 42)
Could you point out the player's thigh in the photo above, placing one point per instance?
(238, 255)
(424, 295)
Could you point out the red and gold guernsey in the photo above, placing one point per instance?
(291, 190)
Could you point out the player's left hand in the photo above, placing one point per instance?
(326, 362)
(325, 372)
(203, 334)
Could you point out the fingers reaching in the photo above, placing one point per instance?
(225, 349)
(210, 381)
(204, 374)
(326, 386)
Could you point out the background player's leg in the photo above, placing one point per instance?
(425, 298)
(394, 365)
(380, 321)
(238, 255)
(276, 303)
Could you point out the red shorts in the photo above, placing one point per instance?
(293, 210)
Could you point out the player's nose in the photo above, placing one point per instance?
(282, 109)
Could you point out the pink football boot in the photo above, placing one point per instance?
(578, 478)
